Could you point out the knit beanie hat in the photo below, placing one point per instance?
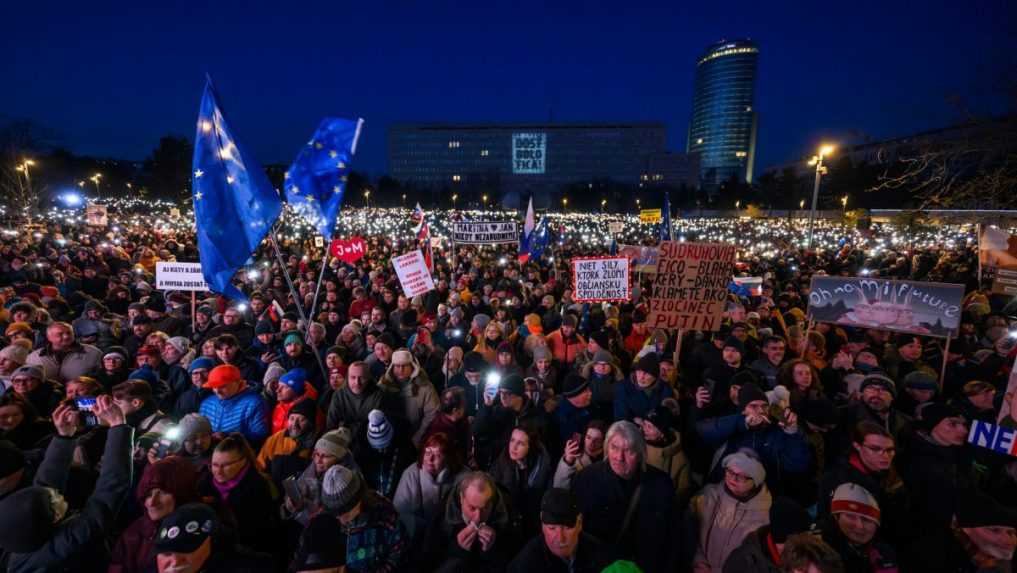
(379, 431)
(513, 384)
(749, 393)
(12, 458)
(930, 415)
(649, 364)
(306, 408)
(746, 462)
(921, 380)
(481, 320)
(34, 372)
(733, 342)
(605, 357)
(181, 344)
(174, 475)
(293, 338)
(333, 443)
(201, 363)
(116, 351)
(880, 380)
(341, 489)
(295, 379)
(16, 353)
(192, 425)
(264, 327)
(573, 385)
(541, 353)
(401, 357)
(788, 518)
(621, 566)
(853, 498)
(273, 373)
(662, 417)
(26, 519)
(147, 374)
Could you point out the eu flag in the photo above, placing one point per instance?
(316, 181)
(235, 205)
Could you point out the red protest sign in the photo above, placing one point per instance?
(348, 251)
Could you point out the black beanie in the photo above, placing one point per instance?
(787, 518)
(749, 393)
(736, 344)
(26, 520)
(934, 413)
(12, 459)
(513, 384)
(649, 364)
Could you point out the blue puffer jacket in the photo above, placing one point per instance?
(630, 401)
(245, 413)
(779, 451)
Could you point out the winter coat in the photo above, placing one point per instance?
(564, 474)
(934, 475)
(419, 496)
(444, 550)
(604, 389)
(603, 499)
(766, 370)
(723, 522)
(79, 360)
(493, 427)
(382, 469)
(875, 557)
(76, 536)
(569, 420)
(244, 413)
(591, 556)
(419, 400)
(525, 486)
(351, 410)
(375, 540)
(474, 395)
(779, 451)
(669, 457)
(564, 351)
(753, 555)
(45, 398)
(631, 401)
(248, 509)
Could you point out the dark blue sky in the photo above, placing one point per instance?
(112, 77)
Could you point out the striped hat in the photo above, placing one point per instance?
(853, 498)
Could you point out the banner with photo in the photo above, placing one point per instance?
(930, 309)
(485, 232)
(642, 259)
(997, 254)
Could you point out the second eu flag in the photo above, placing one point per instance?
(316, 181)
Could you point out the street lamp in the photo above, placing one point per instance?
(484, 199)
(603, 203)
(738, 204)
(843, 202)
(454, 197)
(367, 197)
(817, 160)
(404, 199)
(95, 179)
(565, 203)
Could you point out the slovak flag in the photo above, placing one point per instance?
(423, 233)
(524, 242)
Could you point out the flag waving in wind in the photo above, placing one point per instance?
(423, 233)
(524, 240)
(316, 181)
(235, 205)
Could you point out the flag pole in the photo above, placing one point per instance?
(321, 275)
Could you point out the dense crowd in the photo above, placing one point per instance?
(494, 423)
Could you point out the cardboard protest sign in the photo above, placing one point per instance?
(485, 233)
(615, 227)
(96, 215)
(348, 250)
(996, 438)
(598, 279)
(642, 259)
(931, 309)
(690, 288)
(413, 274)
(179, 276)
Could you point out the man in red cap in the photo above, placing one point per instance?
(234, 407)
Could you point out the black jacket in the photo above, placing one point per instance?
(592, 556)
(603, 499)
(249, 510)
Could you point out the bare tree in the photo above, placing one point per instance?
(20, 142)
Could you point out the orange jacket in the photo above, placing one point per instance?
(565, 353)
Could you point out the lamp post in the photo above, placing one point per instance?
(454, 197)
(817, 160)
(603, 203)
(565, 204)
(843, 202)
(95, 179)
(367, 198)
(484, 199)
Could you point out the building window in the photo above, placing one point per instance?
(454, 144)
(699, 141)
(740, 154)
(457, 178)
(484, 153)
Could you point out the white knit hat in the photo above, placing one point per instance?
(746, 462)
(853, 498)
(16, 353)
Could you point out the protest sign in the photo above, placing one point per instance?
(615, 227)
(597, 279)
(642, 259)
(348, 250)
(690, 288)
(1008, 411)
(413, 274)
(96, 215)
(649, 216)
(485, 233)
(996, 438)
(932, 309)
(997, 254)
(179, 276)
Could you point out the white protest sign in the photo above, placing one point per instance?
(996, 438)
(600, 279)
(179, 276)
(96, 215)
(485, 232)
(412, 272)
(615, 227)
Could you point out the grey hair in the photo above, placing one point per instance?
(476, 478)
(630, 433)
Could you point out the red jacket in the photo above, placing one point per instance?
(565, 353)
(281, 413)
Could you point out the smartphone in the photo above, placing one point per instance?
(293, 492)
(577, 438)
(86, 407)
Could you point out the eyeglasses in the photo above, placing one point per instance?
(736, 477)
(878, 451)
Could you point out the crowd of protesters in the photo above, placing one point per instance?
(492, 424)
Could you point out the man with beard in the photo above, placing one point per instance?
(851, 531)
(227, 350)
(981, 537)
(233, 324)
(564, 343)
(287, 452)
(352, 404)
(878, 393)
(562, 545)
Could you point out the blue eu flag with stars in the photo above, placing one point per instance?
(235, 205)
(316, 181)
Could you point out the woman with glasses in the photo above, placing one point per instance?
(241, 494)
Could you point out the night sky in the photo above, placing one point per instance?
(111, 78)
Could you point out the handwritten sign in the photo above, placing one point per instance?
(597, 279)
(996, 438)
(932, 309)
(615, 227)
(179, 276)
(413, 274)
(485, 233)
(649, 216)
(690, 287)
(348, 250)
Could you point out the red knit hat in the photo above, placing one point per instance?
(853, 498)
(223, 375)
